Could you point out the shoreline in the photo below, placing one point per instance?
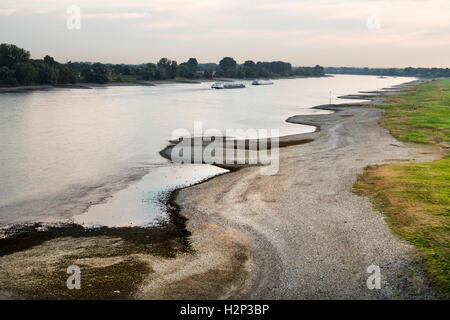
(88, 85)
(149, 83)
(232, 243)
(264, 276)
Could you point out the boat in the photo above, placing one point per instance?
(261, 82)
(217, 85)
(230, 85)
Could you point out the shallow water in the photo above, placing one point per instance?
(91, 156)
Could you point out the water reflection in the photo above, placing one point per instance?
(62, 150)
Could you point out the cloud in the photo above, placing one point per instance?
(255, 27)
(6, 12)
(159, 25)
(114, 15)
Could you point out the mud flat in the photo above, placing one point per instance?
(298, 234)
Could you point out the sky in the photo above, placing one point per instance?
(359, 33)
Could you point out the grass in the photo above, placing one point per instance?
(421, 116)
(415, 197)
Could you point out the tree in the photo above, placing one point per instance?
(281, 68)
(49, 60)
(76, 68)
(250, 70)
(264, 73)
(192, 62)
(7, 77)
(173, 70)
(120, 69)
(193, 67)
(228, 67)
(183, 70)
(26, 73)
(65, 74)
(319, 71)
(148, 72)
(166, 69)
(87, 74)
(208, 74)
(100, 73)
(160, 74)
(188, 69)
(97, 73)
(11, 54)
(46, 74)
(240, 73)
(263, 69)
(163, 63)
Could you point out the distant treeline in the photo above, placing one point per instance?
(400, 72)
(16, 68)
(169, 69)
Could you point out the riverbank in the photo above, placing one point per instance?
(310, 237)
(127, 84)
(90, 85)
(414, 196)
(298, 234)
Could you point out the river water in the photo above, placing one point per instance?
(91, 156)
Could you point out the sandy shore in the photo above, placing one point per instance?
(299, 234)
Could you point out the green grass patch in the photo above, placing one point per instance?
(415, 197)
(422, 115)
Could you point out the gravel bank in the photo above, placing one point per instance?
(309, 236)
